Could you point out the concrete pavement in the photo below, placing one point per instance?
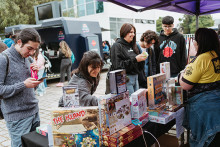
(49, 100)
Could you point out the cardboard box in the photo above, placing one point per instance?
(115, 112)
(175, 95)
(42, 129)
(71, 96)
(165, 68)
(122, 134)
(156, 93)
(117, 80)
(88, 139)
(66, 122)
(138, 103)
(124, 141)
(158, 111)
(163, 119)
(61, 140)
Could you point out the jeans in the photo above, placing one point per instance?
(21, 127)
(45, 80)
(41, 86)
(132, 84)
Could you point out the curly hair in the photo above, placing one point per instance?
(64, 47)
(148, 36)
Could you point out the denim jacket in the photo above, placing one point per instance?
(202, 117)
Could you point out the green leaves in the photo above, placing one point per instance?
(14, 12)
(189, 23)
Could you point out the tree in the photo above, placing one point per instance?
(159, 24)
(189, 23)
(14, 12)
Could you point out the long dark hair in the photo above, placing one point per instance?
(207, 40)
(125, 29)
(89, 58)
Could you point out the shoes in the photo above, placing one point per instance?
(40, 94)
(60, 85)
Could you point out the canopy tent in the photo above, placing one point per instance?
(192, 7)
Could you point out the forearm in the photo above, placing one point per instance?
(8, 91)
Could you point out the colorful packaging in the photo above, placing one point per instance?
(114, 112)
(156, 92)
(125, 141)
(71, 96)
(88, 139)
(34, 73)
(122, 134)
(175, 95)
(163, 119)
(64, 140)
(138, 103)
(158, 111)
(165, 68)
(42, 129)
(117, 80)
(66, 122)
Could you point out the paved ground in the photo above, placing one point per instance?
(49, 100)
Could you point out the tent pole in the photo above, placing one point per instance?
(197, 21)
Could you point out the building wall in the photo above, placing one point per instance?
(122, 15)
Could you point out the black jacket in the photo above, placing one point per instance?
(123, 57)
(174, 51)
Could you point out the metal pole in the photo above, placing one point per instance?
(197, 21)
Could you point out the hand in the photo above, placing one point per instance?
(31, 82)
(34, 66)
(140, 57)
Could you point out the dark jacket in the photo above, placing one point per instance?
(123, 57)
(174, 51)
(150, 64)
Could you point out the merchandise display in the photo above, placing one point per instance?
(122, 134)
(117, 80)
(71, 96)
(165, 68)
(138, 103)
(124, 141)
(156, 92)
(88, 139)
(115, 112)
(162, 119)
(66, 122)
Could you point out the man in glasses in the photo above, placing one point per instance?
(147, 40)
(172, 47)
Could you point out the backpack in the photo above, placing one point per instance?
(7, 71)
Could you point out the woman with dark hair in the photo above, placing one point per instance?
(87, 77)
(125, 55)
(201, 78)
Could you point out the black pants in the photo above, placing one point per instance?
(65, 67)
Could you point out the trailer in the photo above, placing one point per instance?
(81, 36)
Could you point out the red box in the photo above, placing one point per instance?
(122, 134)
(124, 141)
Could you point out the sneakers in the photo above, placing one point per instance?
(60, 85)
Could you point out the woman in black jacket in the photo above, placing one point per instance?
(125, 55)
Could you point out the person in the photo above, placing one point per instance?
(19, 104)
(201, 78)
(3, 46)
(148, 38)
(172, 47)
(124, 54)
(87, 77)
(65, 66)
(105, 51)
(40, 61)
(9, 40)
